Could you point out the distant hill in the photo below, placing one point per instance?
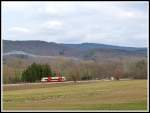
(82, 51)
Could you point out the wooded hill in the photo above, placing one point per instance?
(80, 61)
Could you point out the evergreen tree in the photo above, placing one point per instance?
(35, 72)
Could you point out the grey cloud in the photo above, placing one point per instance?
(112, 23)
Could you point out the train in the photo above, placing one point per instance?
(53, 79)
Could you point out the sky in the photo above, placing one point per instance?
(114, 23)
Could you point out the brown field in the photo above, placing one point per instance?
(89, 95)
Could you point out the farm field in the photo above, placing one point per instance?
(92, 95)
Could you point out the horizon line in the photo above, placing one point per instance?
(81, 43)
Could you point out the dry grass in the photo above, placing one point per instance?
(98, 95)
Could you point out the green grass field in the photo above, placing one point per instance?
(96, 95)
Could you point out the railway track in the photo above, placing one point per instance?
(22, 86)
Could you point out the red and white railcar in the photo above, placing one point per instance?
(53, 79)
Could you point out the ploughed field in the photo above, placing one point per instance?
(89, 95)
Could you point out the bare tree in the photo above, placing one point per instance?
(118, 72)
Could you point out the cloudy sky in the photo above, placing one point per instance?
(115, 23)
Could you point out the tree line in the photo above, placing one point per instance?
(72, 70)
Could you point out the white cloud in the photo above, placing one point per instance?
(127, 14)
(53, 24)
(19, 30)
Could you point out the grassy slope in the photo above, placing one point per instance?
(100, 95)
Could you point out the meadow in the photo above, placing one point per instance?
(90, 95)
